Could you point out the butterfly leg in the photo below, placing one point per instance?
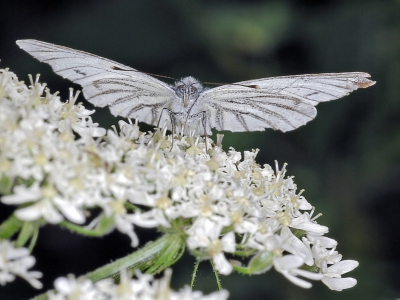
(162, 111)
(159, 121)
(203, 121)
(173, 122)
(203, 117)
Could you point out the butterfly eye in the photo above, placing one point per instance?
(181, 89)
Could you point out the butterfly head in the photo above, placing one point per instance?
(188, 89)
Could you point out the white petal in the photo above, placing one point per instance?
(197, 240)
(6, 277)
(14, 253)
(70, 211)
(308, 275)
(228, 242)
(323, 240)
(27, 262)
(127, 228)
(343, 267)
(51, 215)
(63, 285)
(298, 281)
(222, 264)
(288, 262)
(30, 213)
(23, 194)
(31, 278)
(149, 219)
(97, 131)
(339, 284)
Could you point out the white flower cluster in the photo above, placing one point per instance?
(16, 262)
(229, 204)
(37, 145)
(144, 287)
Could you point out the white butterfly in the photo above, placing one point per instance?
(282, 103)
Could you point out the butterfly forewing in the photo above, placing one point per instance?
(128, 92)
(282, 103)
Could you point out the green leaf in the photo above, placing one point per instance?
(25, 234)
(5, 185)
(144, 256)
(10, 227)
(35, 235)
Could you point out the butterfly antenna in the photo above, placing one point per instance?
(253, 86)
(147, 73)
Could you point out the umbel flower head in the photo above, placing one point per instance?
(56, 166)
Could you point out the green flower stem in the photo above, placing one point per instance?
(84, 231)
(196, 267)
(216, 276)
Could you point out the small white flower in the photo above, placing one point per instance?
(75, 117)
(333, 275)
(16, 262)
(323, 256)
(206, 237)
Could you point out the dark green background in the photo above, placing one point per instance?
(347, 159)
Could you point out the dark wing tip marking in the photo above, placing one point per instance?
(364, 82)
(118, 68)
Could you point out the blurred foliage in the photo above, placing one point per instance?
(347, 159)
